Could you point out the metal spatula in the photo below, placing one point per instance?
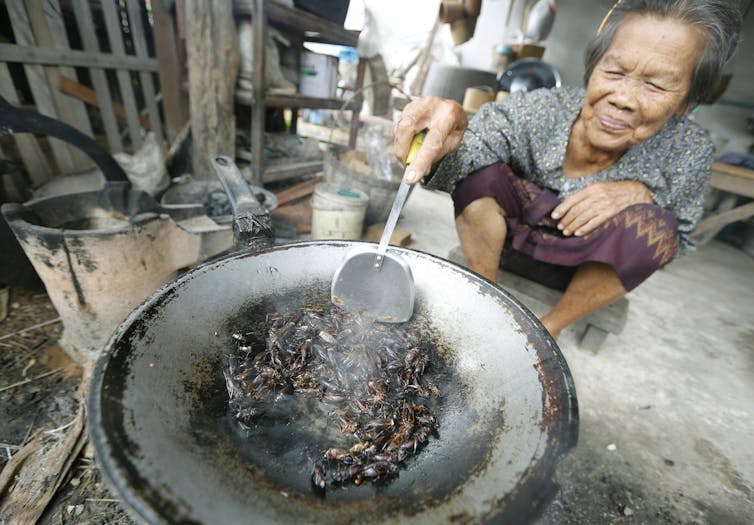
(379, 283)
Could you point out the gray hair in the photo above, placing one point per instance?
(719, 23)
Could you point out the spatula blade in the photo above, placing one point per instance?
(386, 293)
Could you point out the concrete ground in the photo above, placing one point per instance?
(666, 407)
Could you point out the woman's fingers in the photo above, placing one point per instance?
(567, 211)
(589, 208)
(445, 122)
(405, 129)
(591, 225)
(577, 216)
(585, 222)
(583, 211)
(438, 142)
(431, 148)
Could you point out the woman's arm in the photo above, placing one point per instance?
(586, 210)
(686, 201)
(445, 122)
(485, 141)
(671, 170)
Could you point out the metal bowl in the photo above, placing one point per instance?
(528, 74)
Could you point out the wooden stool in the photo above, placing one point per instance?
(528, 279)
(735, 181)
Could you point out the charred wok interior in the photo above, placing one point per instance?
(166, 440)
(372, 383)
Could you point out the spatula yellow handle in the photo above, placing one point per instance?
(416, 143)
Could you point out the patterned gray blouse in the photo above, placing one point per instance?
(529, 131)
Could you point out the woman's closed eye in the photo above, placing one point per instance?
(654, 86)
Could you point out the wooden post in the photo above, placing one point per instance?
(425, 61)
(357, 102)
(34, 159)
(174, 98)
(213, 61)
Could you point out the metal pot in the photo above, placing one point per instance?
(158, 406)
(102, 251)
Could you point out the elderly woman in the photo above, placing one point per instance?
(611, 179)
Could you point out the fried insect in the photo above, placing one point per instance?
(375, 378)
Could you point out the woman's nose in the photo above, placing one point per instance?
(624, 96)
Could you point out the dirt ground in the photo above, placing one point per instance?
(38, 393)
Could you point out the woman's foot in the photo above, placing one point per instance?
(593, 286)
(550, 327)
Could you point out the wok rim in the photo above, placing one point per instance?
(557, 382)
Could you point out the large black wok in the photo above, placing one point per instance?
(159, 423)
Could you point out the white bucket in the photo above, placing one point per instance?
(318, 75)
(337, 212)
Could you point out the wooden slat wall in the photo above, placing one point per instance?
(137, 30)
(37, 167)
(73, 57)
(40, 89)
(104, 100)
(48, 29)
(112, 101)
(112, 19)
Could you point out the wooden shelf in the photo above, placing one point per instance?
(326, 32)
(310, 28)
(295, 101)
(278, 172)
(736, 181)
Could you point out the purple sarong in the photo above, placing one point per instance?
(635, 242)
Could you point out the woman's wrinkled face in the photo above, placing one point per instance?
(640, 82)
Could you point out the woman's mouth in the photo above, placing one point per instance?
(611, 124)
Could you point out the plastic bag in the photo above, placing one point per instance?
(146, 168)
(378, 146)
(275, 80)
(349, 170)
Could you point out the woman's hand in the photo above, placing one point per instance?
(587, 209)
(445, 122)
